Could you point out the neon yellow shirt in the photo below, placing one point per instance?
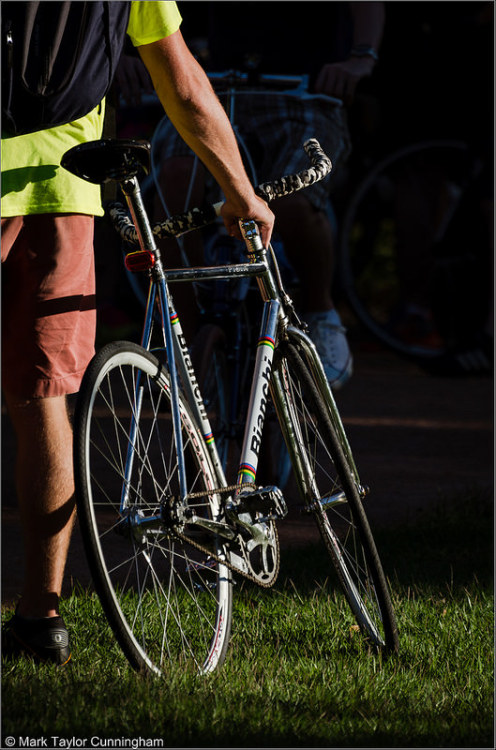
(33, 182)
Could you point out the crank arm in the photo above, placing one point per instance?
(216, 527)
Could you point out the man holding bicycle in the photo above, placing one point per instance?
(49, 298)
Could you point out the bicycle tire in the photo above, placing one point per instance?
(372, 268)
(322, 471)
(165, 602)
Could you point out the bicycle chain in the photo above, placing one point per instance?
(250, 577)
(219, 490)
(233, 568)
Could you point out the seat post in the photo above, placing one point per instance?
(132, 192)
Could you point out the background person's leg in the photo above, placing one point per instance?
(309, 245)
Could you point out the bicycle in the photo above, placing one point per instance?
(413, 243)
(223, 347)
(163, 531)
(410, 236)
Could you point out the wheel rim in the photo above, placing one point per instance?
(370, 249)
(166, 601)
(339, 525)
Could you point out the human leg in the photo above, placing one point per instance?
(279, 127)
(48, 301)
(308, 243)
(45, 493)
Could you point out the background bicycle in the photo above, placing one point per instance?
(414, 242)
(412, 134)
(418, 139)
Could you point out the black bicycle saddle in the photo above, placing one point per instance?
(107, 159)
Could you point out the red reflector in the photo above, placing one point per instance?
(141, 260)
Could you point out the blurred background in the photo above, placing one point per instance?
(419, 407)
(412, 204)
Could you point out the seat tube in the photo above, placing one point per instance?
(260, 394)
(146, 239)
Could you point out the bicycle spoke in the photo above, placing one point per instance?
(322, 472)
(166, 602)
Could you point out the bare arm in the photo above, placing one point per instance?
(368, 23)
(194, 109)
(340, 79)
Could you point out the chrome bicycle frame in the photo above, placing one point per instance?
(274, 324)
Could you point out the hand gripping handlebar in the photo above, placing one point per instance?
(199, 217)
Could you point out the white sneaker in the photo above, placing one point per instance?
(329, 336)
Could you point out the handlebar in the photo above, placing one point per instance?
(236, 83)
(239, 79)
(196, 218)
(320, 167)
(240, 83)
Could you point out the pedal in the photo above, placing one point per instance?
(268, 501)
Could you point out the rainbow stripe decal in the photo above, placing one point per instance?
(246, 470)
(174, 318)
(209, 438)
(266, 341)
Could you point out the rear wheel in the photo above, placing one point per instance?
(412, 245)
(330, 492)
(165, 601)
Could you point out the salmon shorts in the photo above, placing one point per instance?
(48, 303)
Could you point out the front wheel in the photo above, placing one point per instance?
(328, 485)
(165, 601)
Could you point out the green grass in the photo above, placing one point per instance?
(297, 674)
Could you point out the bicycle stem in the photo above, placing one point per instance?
(258, 254)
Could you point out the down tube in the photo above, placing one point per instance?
(259, 395)
(192, 391)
